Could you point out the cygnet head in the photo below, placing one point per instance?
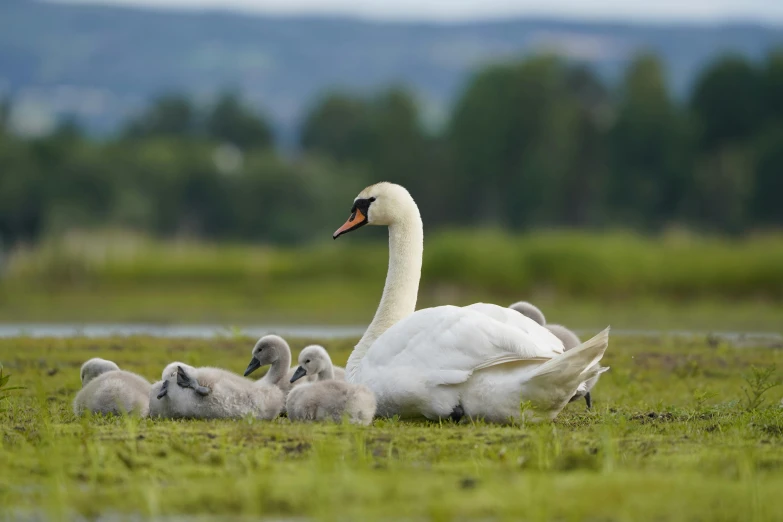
(170, 374)
(530, 311)
(94, 367)
(313, 360)
(266, 351)
(383, 204)
(171, 369)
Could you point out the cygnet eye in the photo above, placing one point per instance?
(307, 361)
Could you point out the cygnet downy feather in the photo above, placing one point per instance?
(107, 389)
(327, 399)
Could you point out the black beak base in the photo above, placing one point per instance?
(254, 365)
(298, 374)
(164, 390)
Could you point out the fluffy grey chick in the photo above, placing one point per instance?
(273, 350)
(567, 337)
(95, 367)
(327, 398)
(530, 311)
(106, 390)
(160, 403)
(213, 393)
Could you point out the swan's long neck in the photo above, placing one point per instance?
(279, 369)
(406, 247)
(327, 374)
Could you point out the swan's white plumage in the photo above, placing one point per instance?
(462, 339)
(483, 359)
(569, 339)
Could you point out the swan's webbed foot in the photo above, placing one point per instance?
(457, 413)
(589, 400)
(186, 381)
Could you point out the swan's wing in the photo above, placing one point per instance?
(517, 320)
(447, 343)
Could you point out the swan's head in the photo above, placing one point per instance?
(266, 351)
(312, 360)
(530, 311)
(94, 367)
(381, 204)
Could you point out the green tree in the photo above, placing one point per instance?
(5, 112)
(232, 121)
(769, 161)
(727, 102)
(514, 134)
(649, 143)
(338, 126)
(382, 135)
(22, 192)
(728, 107)
(586, 176)
(772, 88)
(768, 183)
(168, 115)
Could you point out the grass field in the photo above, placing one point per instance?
(581, 279)
(680, 431)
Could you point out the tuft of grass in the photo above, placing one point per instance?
(662, 443)
(4, 388)
(759, 382)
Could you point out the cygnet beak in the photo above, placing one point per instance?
(254, 365)
(299, 373)
(164, 390)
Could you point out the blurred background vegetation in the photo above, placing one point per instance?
(544, 181)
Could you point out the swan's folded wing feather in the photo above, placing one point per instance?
(517, 320)
(444, 377)
(450, 343)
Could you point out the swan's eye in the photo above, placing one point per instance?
(371, 200)
(307, 361)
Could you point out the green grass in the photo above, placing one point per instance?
(672, 437)
(681, 281)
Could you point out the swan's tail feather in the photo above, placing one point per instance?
(558, 379)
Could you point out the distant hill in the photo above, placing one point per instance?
(99, 63)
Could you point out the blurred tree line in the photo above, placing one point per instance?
(540, 142)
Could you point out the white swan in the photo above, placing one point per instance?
(569, 339)
(327, 399)
(481, 360)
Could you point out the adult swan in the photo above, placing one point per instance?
(482, 360)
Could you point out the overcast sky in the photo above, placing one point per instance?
(770, 11)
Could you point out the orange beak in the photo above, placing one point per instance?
(356, 220)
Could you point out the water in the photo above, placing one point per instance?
(209, 331)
